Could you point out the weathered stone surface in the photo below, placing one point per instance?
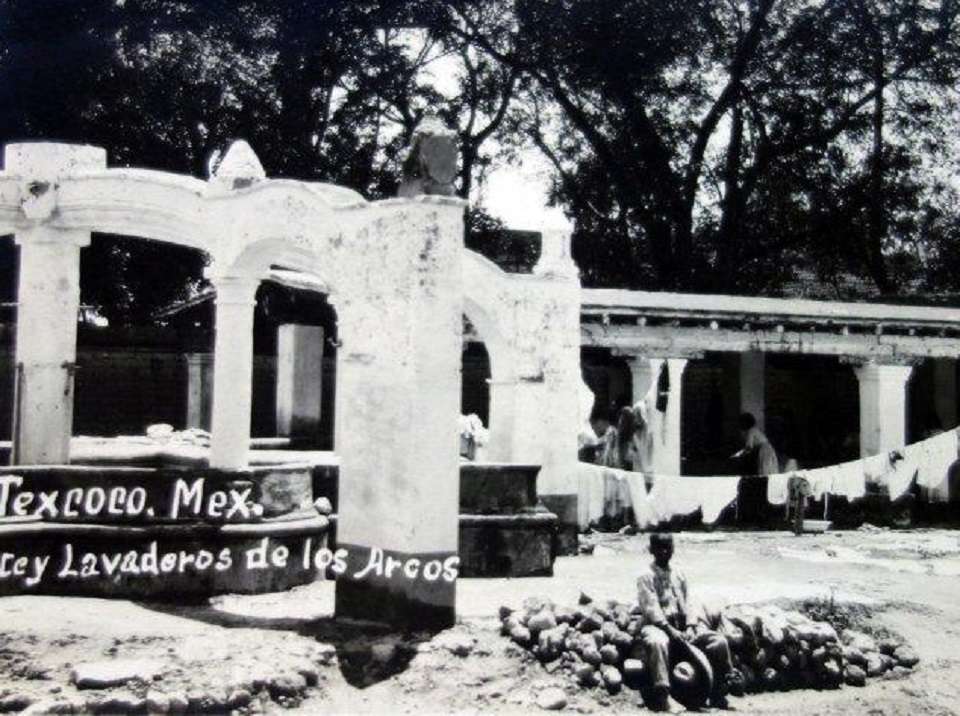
(586, 674)
(178, 701)
(612, 678)
(15, 702)
(860, 641)
(457, 644)
(905, 656)
(104, 674)
(544, 619)
(157, 702)
(206, 701)
(591, 621)
(431, 165)
(852, 655)
(552, 699)
(609, 654)
(854, 676)
(591, 655)
(888, 646)
(238, 698)
(521, 635)
(287, 685)
(115, 703)
(874, 665)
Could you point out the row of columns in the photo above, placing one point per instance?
(882, 388)
(49, 298)
(882, 393)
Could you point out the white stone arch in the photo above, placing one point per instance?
(394, 269)
(503, 378)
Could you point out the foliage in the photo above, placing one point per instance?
(727, 146)
(717, 146)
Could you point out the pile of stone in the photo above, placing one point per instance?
(773, 649)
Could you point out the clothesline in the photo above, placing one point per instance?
(606, 491)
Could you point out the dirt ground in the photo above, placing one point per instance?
(276, 652)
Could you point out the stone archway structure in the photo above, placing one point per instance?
(394, 272)
(530, 325)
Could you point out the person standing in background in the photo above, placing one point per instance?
(758, 453)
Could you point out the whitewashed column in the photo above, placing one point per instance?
(48, 300)
(503, 406)
(299, 375)
(945, 391)
(232, 371)
(48, 303)
(199, 372)
(644, 374)
(398, 440)
(883, 406)
(753, 384)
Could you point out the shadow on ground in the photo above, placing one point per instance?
(367, 652)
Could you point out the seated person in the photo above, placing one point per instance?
(663, 597)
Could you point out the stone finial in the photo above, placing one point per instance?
(239, 167)
(431, 166)
(555, 258)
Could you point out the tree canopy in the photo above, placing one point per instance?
(731, 146)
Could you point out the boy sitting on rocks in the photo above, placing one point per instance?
(663, 598)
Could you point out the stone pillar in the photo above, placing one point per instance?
(667, 453)
(233, 370)
(753, 385)
(46, 348)
(945, 391)
(503, 405)
(199, 390)
(48, 300)
(883, 406)
(299, 375)
(398, 438)
(644, 373)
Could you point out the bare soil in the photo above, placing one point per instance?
(283, 651)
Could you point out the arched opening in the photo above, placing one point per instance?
(295, 351)
(142, 305)
(475, 383)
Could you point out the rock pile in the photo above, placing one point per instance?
(773, 649)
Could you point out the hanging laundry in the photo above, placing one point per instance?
(848, 479)
(590, 493)
(900, 472)
(715, 494)
(934, 457)
(777, 488)
(643, 513)
(820, 481)
(616, 495)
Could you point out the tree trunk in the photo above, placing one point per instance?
(877, 223)
(731, 228)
